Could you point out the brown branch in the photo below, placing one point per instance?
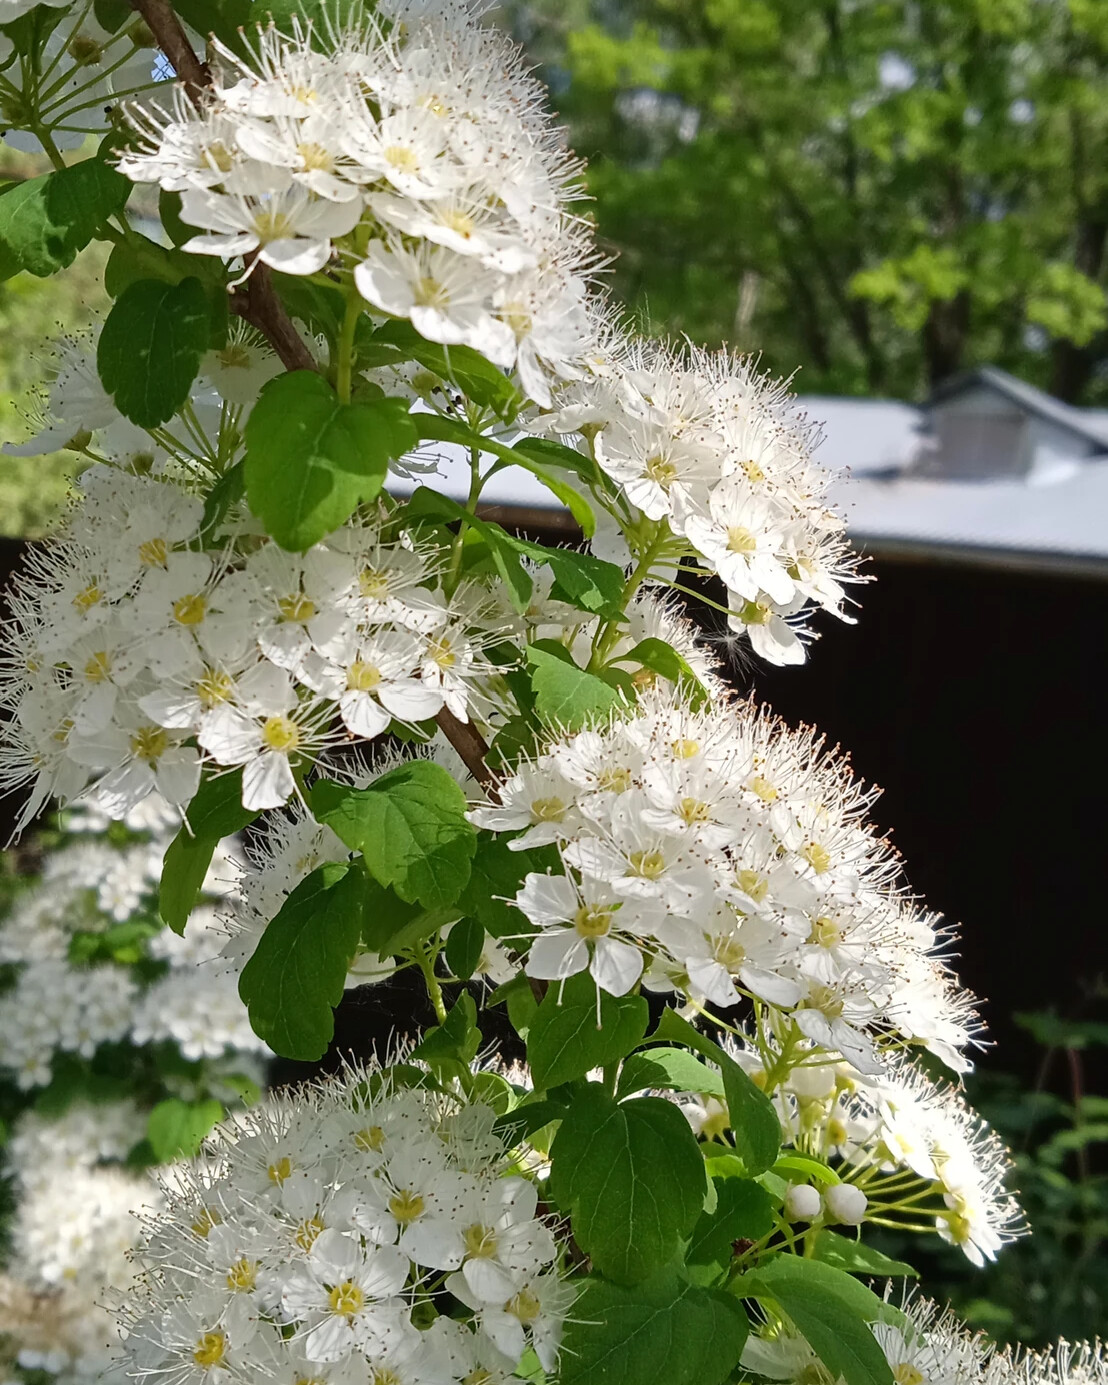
(173, 41)
(258, 303)
(470, 745)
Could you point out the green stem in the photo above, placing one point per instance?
(426, 965)
(344, 367)
(476, 481)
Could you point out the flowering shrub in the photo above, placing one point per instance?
(121, 1044)
(463, 752)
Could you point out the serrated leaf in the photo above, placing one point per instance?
(583, 581)
(177, 1128)
(496, 875)
(150, 347)
(743, 1211)
(855, 1257)
(464, 944)
(456, 1039)
(410, 827)
(668, 1069)
(298, 971)
(631, 1177)
(566, 696)
(663, 659)
(45, 221)
(311, 460)
(664, 1329)
(754, 1123)
(570, 1033)
(215, 812)
(831, 1310)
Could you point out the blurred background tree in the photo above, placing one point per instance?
(883, 193)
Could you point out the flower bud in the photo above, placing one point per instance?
(845, 1203)
(802, 1203)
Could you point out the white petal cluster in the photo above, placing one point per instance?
(321, 1229)
(720, 854)
(703, 445)
(134, 656)
(60, 1002)
(420, 151)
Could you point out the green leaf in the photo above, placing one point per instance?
(570, 1034)
(525, 1119)
(177, 1128)
(223, 496)
(809, 1169)
(215, 812)
(478, 379)
(496, 876)
(310, 460)
(754, 1123)
(855, 1257)
(426, 503)
(456, 1039)
(298, 971)
(150, 347)
(579, 579)
(663, 659)
(631, 1177)
(45, 221)
(664, 1329)
(668, 1069)
(464, 944)
(389, 924)
(743, 1211)
(566, 696)
(410, 827)
(831, 1310)
(224, 18)
(547, 452)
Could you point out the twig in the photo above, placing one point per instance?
(173, 41)
(258, 303)
(470, 745)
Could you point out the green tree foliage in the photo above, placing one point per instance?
(886, 192)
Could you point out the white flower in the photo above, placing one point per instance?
(287, 230)
(370, 677)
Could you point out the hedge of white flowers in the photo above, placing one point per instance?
(510, 768)
(121, 1044)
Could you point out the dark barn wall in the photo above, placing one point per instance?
(975, 697)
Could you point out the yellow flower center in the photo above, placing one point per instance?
(729, 953)
(907, 1374)
(480, 1241)
(592, 921)
(190, 610)
(454, 219)
(660, 469)
(615, 780)
(213, 687)
(217, 155)
(478, 1376)
(149, 743)
(406, 1206)
(296, 607)
(242, 1276)
(281, 733)
(817, 856)
(431, 293)
(753, 471)
(826, 1001)
(370, 1139)
(740, 540)
(346, 1299)
(761, 786)
(402, 157)
(206, 1218)
(753, 885)
(693, 810)
(315, 157)
(384, 1375)
(755, 613)
(210, 1350)
(270, 225)
(684, 749)
(235, 356)
(547, 809)
(524, 1306)
(439, 652)
(306, 1232)
(648, 865)
(153, 552)
(825, 933)
(98, 667)
(518, 319)
(87, 599)
(361, 677)
(373, 584)
(280, 1170)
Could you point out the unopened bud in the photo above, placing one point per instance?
(845, 1203)
(802, 1203)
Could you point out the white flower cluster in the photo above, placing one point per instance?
(721, 854)
(80, 72)
(134, 656)
(420, 149)
(60, 1002)
(322, 1229)
(701, 441)
(73, 1227)
(894, 1138)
